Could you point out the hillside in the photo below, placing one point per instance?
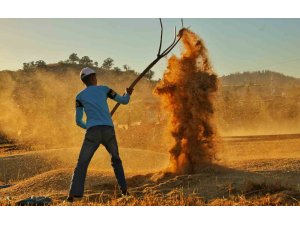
(263, 82)
(264, 77)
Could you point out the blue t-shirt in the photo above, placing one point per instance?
(93, 101)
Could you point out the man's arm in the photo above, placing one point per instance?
(79, 115)
(118, 98)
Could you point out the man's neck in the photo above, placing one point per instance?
(90, 85)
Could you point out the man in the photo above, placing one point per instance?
(100, 130)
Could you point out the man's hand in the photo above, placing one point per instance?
(129, 91)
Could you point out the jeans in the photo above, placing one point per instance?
(94, 137)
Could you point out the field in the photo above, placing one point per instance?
(250, 170)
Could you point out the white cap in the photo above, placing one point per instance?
(86, 72)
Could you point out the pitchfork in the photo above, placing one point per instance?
(160, 55)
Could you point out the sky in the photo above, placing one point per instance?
(234, 45)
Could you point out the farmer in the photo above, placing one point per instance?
(100, 130)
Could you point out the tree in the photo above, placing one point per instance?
(61, 62)
(28, 66)
(96, 64)
(128, 70)
(126, 67)
(149, 75)
(107, 63)
(40, 64)
(73, 58)
(86, 61)
(117, 69)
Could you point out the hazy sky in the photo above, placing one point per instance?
(234, 44)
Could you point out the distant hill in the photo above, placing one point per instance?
(263, 83)
(264, 77)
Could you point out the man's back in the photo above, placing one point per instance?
(93, 99)
(100, 130)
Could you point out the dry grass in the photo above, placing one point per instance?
(178, 198)
(169, 190)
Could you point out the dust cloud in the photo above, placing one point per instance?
(38, 111)
(38, 108)
(187, 91)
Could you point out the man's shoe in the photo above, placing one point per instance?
(71, 198)
(125, 193)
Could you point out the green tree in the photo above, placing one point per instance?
(40, 64)
(107, 63)
(117, 70)
(149, 75)
(96, 63)
(126, 67)
(28, 66)
(61, 62)
(128, 70)
(86, 61)
(73, 58)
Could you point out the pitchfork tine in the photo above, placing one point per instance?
(166, 52)
(175, 35)
(171, 45)
(161, 36)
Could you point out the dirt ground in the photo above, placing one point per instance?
(250, 170)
